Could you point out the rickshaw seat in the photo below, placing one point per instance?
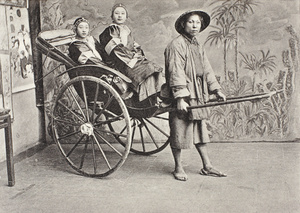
(58, 37)
(48, 41)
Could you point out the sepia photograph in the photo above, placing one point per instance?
(148, 106)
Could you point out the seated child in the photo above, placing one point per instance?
(84, 49)
(121, 52)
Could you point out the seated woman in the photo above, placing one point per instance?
(84, 49)
(120, 51)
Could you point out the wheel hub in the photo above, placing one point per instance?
(87, 129)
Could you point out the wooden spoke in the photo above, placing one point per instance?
(108, 143)
(71, 123)
(159, 129)
(78, 125)
(162, 118)
(94, 156)
(95, 102)
(112, 133)
(124, 128)
(76, 144)
(109, 121)
(142, 138)
(150, 134)
(78, 105)
(147, 129)
(102, 152)
(68, 135)
(108, 112)
(85, 101)
(133, 132)
(104, 107)
(84, 153)
(71, 111)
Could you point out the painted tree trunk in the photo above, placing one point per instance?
(295, 81)
(236, 56)
(225, 60)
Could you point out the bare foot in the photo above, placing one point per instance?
(180, 175)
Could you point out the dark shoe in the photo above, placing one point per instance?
(164, 104)
(127, 95)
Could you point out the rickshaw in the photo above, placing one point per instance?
(93, 126)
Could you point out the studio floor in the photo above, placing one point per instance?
(262, 177)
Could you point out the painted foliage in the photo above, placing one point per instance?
(253, 46)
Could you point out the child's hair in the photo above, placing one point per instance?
(116, 6)
(78, 21)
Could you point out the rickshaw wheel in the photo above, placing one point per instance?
(149, 135)
(81, 114)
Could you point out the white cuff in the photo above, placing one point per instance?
(132, 62)
(111, 45)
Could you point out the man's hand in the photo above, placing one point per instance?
(182, 105)
(220, 95)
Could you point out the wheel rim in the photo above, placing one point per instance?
(82, 112)
(149, 135)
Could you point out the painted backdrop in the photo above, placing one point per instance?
(253, 47)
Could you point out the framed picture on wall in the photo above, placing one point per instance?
(5, 77)
(20, 49)
(16, 3)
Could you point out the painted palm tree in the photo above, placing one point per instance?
(223, 33)
(265, 64)
(227, 122)
(260, 119)
(237, 10)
